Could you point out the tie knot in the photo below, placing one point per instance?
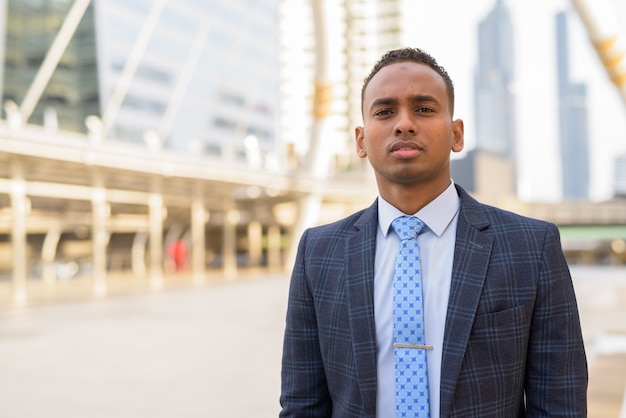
(407, 227)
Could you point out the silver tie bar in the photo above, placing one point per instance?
(417, 346)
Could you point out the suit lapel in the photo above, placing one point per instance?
(471, 259)
(360, 252)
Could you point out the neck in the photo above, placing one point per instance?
(409, 199)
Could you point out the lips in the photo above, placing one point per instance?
(405, 149)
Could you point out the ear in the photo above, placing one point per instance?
(458, 135)
(359, 133)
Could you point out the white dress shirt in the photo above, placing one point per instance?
(436, 243)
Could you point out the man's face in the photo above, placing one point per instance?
(408, 131)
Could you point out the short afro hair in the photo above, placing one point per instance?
(411, 55)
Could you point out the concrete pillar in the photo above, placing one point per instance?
(138, 253)
(48, 254)
(255, 243)
(618, 250)
(323, 127)
(308, 211)
(100, 213)
(19, 209)
(157, 214)
(273, 246)
(229, 243)
(198, 221)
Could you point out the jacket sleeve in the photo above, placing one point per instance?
(304, 391)
(556, 374)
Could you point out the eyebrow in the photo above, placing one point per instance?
(418, 98)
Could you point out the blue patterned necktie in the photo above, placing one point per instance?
(408, 330)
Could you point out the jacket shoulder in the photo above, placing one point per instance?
(487, 217)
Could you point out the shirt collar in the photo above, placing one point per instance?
(437, 215)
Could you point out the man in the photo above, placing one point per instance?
(501, 321)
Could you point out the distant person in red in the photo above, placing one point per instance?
(178, 253)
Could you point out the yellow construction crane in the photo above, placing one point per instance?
(600, 21)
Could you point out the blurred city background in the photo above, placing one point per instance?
(148, 146)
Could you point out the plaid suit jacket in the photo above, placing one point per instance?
(512, 342)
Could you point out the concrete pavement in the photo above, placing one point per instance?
(211, 350)
(601, 294)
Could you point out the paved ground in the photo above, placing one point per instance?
(601, 297)
(211, 350)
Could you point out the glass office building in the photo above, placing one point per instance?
(493, 80)
(72, 91)
(186, 75)
(573, 119)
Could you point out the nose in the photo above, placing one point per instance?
(405, 124)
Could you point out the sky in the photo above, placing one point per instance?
(447, 29)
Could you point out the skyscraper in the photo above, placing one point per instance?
(620, 177)
(573, 129)
(494, 76)
(489, 170)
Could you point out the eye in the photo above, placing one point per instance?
(383, 112)
(424, 110)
